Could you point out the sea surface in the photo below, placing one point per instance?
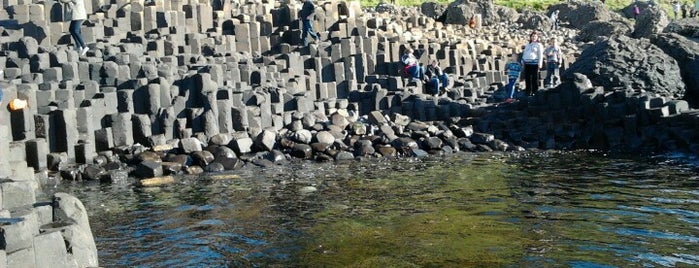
(581, 209)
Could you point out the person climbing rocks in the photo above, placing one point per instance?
(554, 20)
(553, 63)
(533, 60)
(513, 69)
(410, 65)
(78, 15)
(437, 80)
(307, 15)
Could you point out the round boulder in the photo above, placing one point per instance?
(534, 20)
(626, 62)
(580, 13)
(432, 9)
(461, 11)
(651, 21)
(597, 28)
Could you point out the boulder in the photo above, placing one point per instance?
(203, 158)
(652, 20)
(149, 169)
(534, 20)
(190, 145)
(685, 27)
(579, 13)
(384, 7)
(627, 11)
(432, 9)
(686, 53)
(507, 14)
(461, 11)
(626, 62)
(596, 29)
(325, 137)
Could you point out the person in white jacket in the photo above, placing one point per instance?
(533, 60)
(79, 15)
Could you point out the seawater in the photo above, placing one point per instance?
(471, 210)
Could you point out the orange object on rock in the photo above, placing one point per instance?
(18, 104)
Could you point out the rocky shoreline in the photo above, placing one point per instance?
(174, 87)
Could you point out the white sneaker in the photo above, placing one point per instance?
(84, 51)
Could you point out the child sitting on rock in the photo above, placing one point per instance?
(513, 69)
(436, 79)
(553, 63)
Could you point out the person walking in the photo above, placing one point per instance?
(533, 60)
(78, 15)
(307, 14)
(676, 8)
(554, 20)
(513, 69)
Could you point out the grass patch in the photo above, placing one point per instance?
(517, 4)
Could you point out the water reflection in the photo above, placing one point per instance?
(572, 209)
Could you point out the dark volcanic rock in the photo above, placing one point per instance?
(534, 20)
(214, 167)
(616, 62)
(461, 11)
(685, 27)
(652, 20)
(432, 9)
(628, 10)
(686, 52)
(580, 13)
(595, 29)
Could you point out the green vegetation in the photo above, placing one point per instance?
(517, 4)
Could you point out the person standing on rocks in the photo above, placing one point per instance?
(307, 14)
(79, 14)
(533, 60)
(636, 11)
(554, 20)
(513, 69)
(676, 8)
(553, 63)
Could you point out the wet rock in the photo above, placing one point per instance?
(182, 159)
(190, 145)
(483, 148)
(596, 29)
(203, 158)
(386, 151)
(115, 176)
(229, 163)
(466, 145)
(343, 155)
(319, 147)
(262, 163)
(194, 170)
(157, 181)
(325, 137)
(148, 169)
(432, 143)
(170, 168)
(652, 20)
(214, 167)
(302, 136)
(242, 145)
(266, 140)
(275, 156)
(364, 148)
(220, 139)
(303, 151)
(482, 138)
(404, 143)
(148, 156)
(54, 161)
(615, 63)
(499, 145)
(416, 152)
(224, 152)
(92, 172)
(70, 174)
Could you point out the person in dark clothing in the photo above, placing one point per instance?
(436, 79)
(307, 15)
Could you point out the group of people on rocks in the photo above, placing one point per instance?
(534, 57)
(678, 8)
(532, 61)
